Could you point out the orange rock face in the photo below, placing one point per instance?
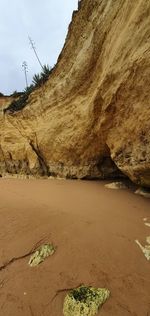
(92, 117)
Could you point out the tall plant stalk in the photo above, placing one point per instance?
(25, 69)
(35, 52)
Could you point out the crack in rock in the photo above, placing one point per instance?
(12, 260)
(5, 265)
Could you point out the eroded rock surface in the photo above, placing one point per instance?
(92, 118)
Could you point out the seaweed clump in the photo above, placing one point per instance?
(84, 301)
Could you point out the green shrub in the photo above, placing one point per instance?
(16, 94)
(41, 78)
(37, 81)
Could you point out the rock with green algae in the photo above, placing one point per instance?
(41, 254)
(84, 301)
(145, 249)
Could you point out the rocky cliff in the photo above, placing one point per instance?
(92, 117)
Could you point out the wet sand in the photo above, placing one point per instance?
(94, 229)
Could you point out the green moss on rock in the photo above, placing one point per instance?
(41, 254)
(84, 301)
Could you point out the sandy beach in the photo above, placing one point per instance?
(94, 230)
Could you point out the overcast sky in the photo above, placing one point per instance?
(46, 22)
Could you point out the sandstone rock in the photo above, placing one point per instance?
(116, 185)
(143, 192)
(92, 117)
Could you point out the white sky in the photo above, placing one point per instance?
(46, 22)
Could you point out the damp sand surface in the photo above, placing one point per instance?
(94, 230)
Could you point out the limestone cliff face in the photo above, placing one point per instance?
(92, 117)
